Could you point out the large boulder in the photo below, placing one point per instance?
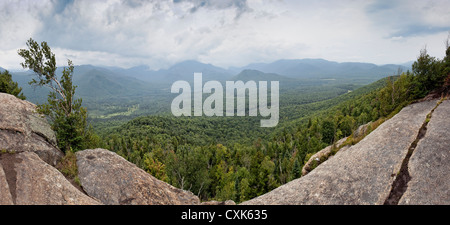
(27, 180)
(24, 130)
(364, 173)
(322, 155)
(362, 130)
(28, 154)
(115, 181)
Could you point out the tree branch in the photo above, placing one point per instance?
(63, 96)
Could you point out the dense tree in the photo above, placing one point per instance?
(446, 63)
(328, 131)
(429, 72)
(7, 85)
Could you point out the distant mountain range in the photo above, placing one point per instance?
(296, 68)
(320, 68)
(256, 75)
(180, 71)
(95, 82)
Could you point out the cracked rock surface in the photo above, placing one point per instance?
(364, 173)
(429, 166)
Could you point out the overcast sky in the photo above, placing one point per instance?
(224, 32)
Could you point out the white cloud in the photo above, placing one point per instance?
(19, 20)
(224, 33)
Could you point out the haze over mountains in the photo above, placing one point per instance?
(295, 68)
(114, 84)
(320, 68)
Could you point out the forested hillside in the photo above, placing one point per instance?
(232, 158)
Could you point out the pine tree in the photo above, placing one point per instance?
(7, 85)
(427, 70)
(67, 116)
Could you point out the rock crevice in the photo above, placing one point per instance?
(400, 184)
(8, 161)
(429, 164)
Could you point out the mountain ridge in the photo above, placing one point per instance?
(257, 75)
(321, 68)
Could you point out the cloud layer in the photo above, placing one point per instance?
(223, 32)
